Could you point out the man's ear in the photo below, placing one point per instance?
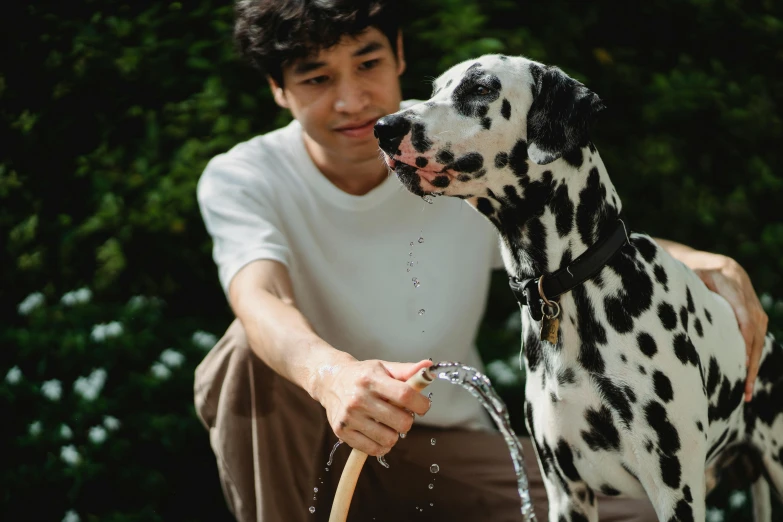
(561, 115)
(400, 54)
(278, 93)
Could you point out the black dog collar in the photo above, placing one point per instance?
(565, 279)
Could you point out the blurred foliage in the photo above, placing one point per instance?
(109, 111)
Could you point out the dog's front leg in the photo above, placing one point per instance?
(570, 498)
(676, 496)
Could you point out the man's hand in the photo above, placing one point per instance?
(368, 403)
(727, 278)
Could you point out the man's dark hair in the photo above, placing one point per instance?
(273, 33)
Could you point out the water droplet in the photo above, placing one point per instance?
(421, 312)
(431, 504)
(331, 455)
(402, 435)
(407, 269)
(432, 441)
(421, 240)
(434, 468)
(312, 509)
(327, 469)
(410, 253)
(416, 282)
(427, 198)
(315, 490)
(382, 461)
(429, 395)
(411, 243)
(431, 485)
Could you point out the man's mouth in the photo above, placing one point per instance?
(358, 129)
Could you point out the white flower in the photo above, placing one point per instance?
(71, 516)
(70, 455)
(714, 515)
(90, 387)
(101, 332)
(500, 372)
(111, 423)
(738, 499)
(35, 428)
(172, 358)
(766, 301)
(74, 297)
(97, 434)
(204, 340)
(160, 370)
(30, 303)
(65, 431)
(52, 389)
(137, 302)
(14, 375)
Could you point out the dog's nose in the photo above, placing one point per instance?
(390, 130)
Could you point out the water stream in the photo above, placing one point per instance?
(480, 387)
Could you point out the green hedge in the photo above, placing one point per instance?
(109, 111)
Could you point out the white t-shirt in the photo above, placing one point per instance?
(348, 257)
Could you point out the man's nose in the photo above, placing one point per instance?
(390, 130)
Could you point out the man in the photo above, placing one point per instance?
(334, 271)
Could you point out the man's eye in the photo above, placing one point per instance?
(316, 80)
(481, 90)
(369, 64)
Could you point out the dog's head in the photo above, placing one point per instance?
(486, 120)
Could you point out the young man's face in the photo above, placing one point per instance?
(339, 94)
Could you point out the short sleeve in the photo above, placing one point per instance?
(238, 212)
(497, 256)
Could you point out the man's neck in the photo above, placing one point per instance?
(352, 177)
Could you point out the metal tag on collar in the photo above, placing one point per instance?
(550, 320)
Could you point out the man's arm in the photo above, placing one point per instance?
(726, 277)
(359, 396)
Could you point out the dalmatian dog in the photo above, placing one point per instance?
(640, 389)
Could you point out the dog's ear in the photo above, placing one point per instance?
(561, 115)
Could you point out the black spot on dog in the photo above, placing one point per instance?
(532, 349)
(630, 393)
(479, 173)
(646, 344)
(642, 370)
(714, 376)
(697, 326)
(686, 492)
(668, 438)
(421, 162)
(700, 426)
(708, 316)
(682, 512)
(537, 234)
(667, 316)
(661, 277)
(769, 370)
(501, 160)
(618, 316)
(553, 397)
(616, 399)
(444, 157)
(419, 138)
(718, 443)
(645, 247)
(563, 209)
(602, 434)
(684, 350)
(663, 386)
(486, 122)
(505, 109)
(689, 297)
(470, 162)
(609, 491)
(441, 181)
(578, 517)
(485, 207)
(730, 397)
(649, 446)
(565, 459)
(684, 318)
(623, 358)
(591, 332)
(448, 83)
(574, 157)
(634, 296)
(463, 178)
(671, 470)
(517, 159)
(592, 213)
(566, 376)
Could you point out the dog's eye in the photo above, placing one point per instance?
(481, 90)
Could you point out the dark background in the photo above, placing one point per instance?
(109, 111)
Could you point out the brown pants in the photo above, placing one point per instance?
(272, 442)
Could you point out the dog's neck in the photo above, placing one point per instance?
(555, 214)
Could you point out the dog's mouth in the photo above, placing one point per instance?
(421, 181)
